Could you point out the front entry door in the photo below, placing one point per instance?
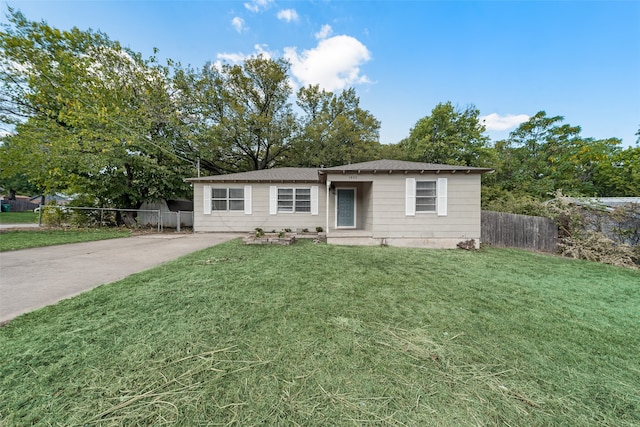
(345, 208)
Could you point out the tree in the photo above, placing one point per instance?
(18, 184)
(89, 116)
(449, 136)
(334, 129)
(620, 175)
(237, 116)
(543, 155)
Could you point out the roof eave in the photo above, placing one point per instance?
(407, 171)
(236, 181)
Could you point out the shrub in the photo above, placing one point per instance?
(581, 234)
(519, 204)
(54, 215)
(595, 246)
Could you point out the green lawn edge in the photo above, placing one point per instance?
(12, 240)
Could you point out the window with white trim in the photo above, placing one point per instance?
(426, 196)
(294, 199)
(227, 199)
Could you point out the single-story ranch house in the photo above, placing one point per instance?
(388, 202)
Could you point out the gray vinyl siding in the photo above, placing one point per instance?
(382, 197)
(463, 208)
(381, 207)
(238, 221)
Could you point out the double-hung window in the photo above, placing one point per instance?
(426, 196)
(227, 199)
(294, 199)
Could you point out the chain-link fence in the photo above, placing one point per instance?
(178, 220)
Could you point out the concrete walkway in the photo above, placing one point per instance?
(34, 278)
(17, 226)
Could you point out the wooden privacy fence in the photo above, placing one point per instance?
(20, 205)
(519, 231)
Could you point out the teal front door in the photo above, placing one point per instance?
(345, 208)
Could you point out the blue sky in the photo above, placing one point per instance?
(577, 59)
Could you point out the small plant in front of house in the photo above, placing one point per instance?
(281, 234)
(305, 230)
(319, 229)
(259, 232)
(288, 230)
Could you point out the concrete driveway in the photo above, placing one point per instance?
(34, 278)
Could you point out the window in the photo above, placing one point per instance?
(426, 196)
(294, 200)
(227, 199)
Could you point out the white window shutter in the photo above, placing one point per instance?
(314, 200)
(247, 200)
(442, 196)
(410, 185)
(206, 199)
(273, 200)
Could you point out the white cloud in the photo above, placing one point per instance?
(257, 5)
(333, 64)
(233, 58)
(324, 32)
(238, 24)
(238, 57)
(288, 15)
(496, 122)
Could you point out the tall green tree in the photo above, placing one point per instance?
(620, 175)
(335, 130)
(544, 155)
(238, 117)
(90, 116)
(450, 136)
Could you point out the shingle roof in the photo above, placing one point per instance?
(315, 175)
(400, 165)
(265, 175)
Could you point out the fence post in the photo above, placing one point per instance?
(40, 215)
(159, 220)
(178, 221)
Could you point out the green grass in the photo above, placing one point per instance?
(18, 218)
(23, 239)
(327, 335)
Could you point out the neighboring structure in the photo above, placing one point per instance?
(618, 218)
(174, 213)
(58, 199)
(380, 202)
(608, 204)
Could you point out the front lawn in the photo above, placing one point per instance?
(23, 239)
(312, 334)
